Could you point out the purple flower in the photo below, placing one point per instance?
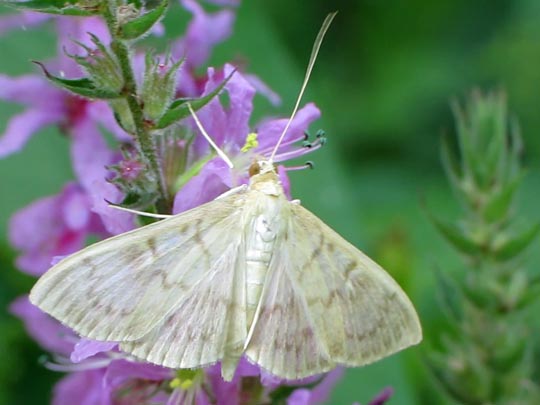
(203, 33)
(319, 394)
(90, 156)
(382, 397)
(47, 104)
(49, 333)
(81, 387)
(22, 21)
(229, 128)
(53, 226)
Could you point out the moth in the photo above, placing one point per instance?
(249, 273)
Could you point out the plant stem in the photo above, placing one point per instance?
(144, 138)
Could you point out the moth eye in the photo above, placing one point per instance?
(254, 169)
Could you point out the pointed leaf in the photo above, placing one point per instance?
(60, 7)
(531, 293)
(179, 109)
(450, 163)
(82, 86)
(497, 208)
(456, 237)
(449, 294)
(513, 246)
(142, 24)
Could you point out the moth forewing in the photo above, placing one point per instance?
(120, 289)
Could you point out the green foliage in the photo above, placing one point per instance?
(140, 25)
(179, 108)
(82, 87)
(60, 7)
(486, 359)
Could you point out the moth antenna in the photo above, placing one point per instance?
(141, 213)
(221, 154)
(314, 52)
(308, 165)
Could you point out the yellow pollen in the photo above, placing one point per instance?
(185, 379)
(251, 142)
(175, 383)
(186, 384)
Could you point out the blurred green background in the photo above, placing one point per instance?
(384, 78)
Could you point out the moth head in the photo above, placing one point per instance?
(262, 166)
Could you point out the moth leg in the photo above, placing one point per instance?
(144, 214)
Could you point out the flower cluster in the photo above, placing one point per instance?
(56, 226)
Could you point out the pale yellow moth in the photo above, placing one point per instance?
(250, 273)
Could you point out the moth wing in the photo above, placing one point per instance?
(326, 303)
(119, 289)
(207, 325)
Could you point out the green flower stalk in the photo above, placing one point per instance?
(486, 356)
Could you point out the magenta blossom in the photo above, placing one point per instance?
(63, 221)
(229, 128)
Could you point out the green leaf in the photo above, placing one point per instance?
(513, 246)
(450, 163)
(61, 7)
(530, 297)
(141, 25)
(179, 108)
(82, 86)
(449, 294)
(456, 236)
(499, 204)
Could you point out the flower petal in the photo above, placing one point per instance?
(22, 126)
(382, 397)
(263, 89)
(32, 90)
(213, 180)
(285, 182)
(21, 21)
(72, 30)
(204, 31)
(48, 332)
(119, 371)
(270, 131)
(55, 237)
(228, 129)
(82, 388)
(87, 348)
(320, 393)
(90, 156)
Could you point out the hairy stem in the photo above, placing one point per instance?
(144, 138)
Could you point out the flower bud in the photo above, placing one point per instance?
(159, 86)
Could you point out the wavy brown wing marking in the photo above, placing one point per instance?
(209, 322)
(121, 288)
(326, 295)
